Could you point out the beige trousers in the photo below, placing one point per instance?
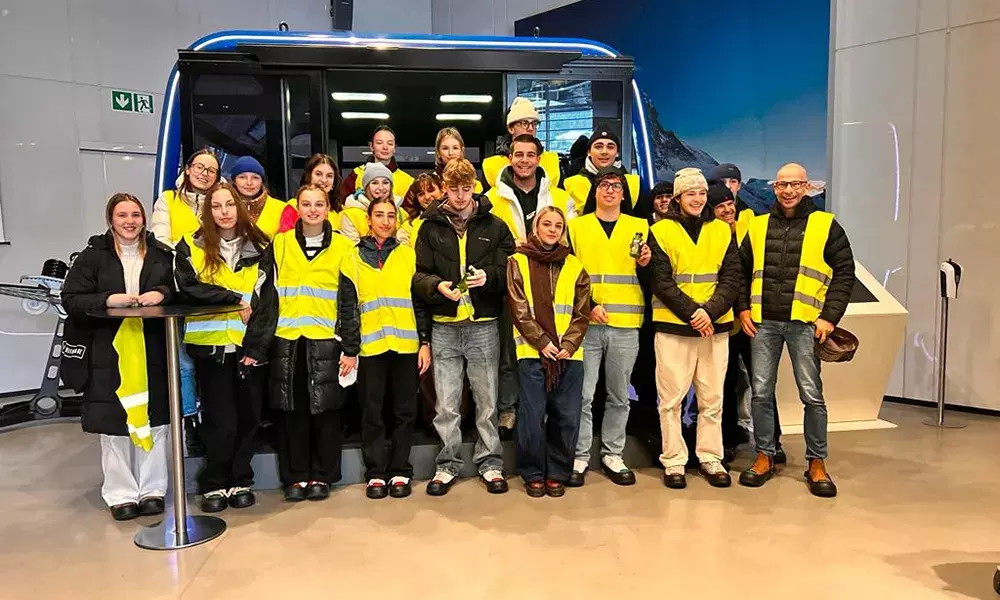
(679, 362)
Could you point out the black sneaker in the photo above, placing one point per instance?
(151, 505)
(124, 512)
(399, 487)
(215, 501)
(241, 497)
(296, 492)
(376, 489)
(317, 490)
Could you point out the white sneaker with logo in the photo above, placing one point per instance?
(579, 466)
(615, 464)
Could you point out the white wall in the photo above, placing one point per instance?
(59, 60)
(392, 16)
(486, 17)
(914, 89)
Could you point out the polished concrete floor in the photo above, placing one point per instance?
(917, 517)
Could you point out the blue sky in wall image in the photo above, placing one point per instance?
(724, 80)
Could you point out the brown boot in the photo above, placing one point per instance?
(758, 473)
(820, 482)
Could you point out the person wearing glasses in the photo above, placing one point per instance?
(798, 271)
(522, 118)
(611, 244)
(603, 150)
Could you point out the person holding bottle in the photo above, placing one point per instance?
(224, 263)
(387, 338)
(549, 296)
(307, 354)
(119, 365)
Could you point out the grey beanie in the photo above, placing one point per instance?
(373, 171)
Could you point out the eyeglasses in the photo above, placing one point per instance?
(795, 185)
(527, 123)
(199, 168)
(606, 186)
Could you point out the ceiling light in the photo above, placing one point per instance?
(377, 116)
(471, 98)
(458, 117)
(358, 97)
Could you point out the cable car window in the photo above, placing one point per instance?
(571, 108)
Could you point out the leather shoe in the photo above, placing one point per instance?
(675, 481)
(317, 490)
(821, 486)
(535, 489)
(439, 488)
(759, 473)
(243, 498)
(779, 456)
(719, 480)
(576, 479)
(619, 477)
(295, 493)
(125, 512)
(151, 505)
(555, 489)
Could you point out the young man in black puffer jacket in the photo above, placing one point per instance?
(798, 275)
(460, 234)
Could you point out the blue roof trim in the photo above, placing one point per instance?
(168, 145)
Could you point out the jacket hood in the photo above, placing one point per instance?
(804, 209)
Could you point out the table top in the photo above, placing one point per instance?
(166, 311)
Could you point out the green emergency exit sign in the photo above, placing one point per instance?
(136, 102)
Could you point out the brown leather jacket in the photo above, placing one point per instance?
(520, 312)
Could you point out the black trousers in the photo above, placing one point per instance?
(739, 349)
(387, 389)
(548, 423)
(309, 445)
(230, 416)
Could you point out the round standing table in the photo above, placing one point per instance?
(193, 529)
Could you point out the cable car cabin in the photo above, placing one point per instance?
(282, 96)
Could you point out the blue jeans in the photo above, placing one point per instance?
(189, 389)
(452, 348)
(766, 348)
(545, 447)
(619, 348)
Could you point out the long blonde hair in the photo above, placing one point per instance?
(564, 239)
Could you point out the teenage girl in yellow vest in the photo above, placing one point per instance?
(224, 263)
(390, 329)
(425, 192)
(120, 364)
(248, 179)
(549, 295)
(376, 185)
(320, 171)
(383, 151)
(305, 359)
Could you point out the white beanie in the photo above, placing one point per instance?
(521, 109)
(689, 179)
(373, 171)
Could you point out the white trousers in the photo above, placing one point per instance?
(131, 473)
(679, 362)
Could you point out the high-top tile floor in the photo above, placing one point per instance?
(917, 517)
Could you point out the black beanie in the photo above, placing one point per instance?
(663, 188)
(727, 171)
(719, 193)
(604, 133)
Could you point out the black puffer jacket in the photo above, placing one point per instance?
(783, 252)
(90, 362)
(322, 358)
(665, 287)
(488, 244)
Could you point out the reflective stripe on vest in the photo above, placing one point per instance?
(183, 220)
(563, 298)
(133, 388)
(613, 281)
(388, 323)
(307, 289)
(814, 275)
(226, 328)
(696, 266)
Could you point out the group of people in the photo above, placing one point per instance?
(528, 295)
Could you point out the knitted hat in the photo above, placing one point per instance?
(718, 194)
(373, 171)
(521, 109)
(689, 179)
(604, 133)
(246, 164)
(727, 171)
(663, 188)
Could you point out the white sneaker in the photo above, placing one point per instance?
(713, 468)
(399, 480)
(580, 466)
(674, 470)
(614, 463)
(492, 475)
(443, 477)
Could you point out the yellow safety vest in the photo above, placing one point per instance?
(465, 312)
(307, 289)
(548, 161)
(358, 217)
(814, 275)
(510, 212)
(333, 217)
(743, 225)
(578, 187)
(563, 297)
(222, 329)
(401, 181)
(388, 323)
(696, 266)
(133, 389)
(412, 227)
(269, 220)
(183, 220)
(613, 281)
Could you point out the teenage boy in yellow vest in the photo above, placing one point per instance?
(522, 118)
(611, 244)
(603, 150)
(798, 272)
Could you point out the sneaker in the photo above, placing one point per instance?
(616, 470)
(376, 489)
(296, 492)
(716, 474)
(578, 477)
(441, 483)
(508, 419)
(673, 477)
(495, 482)
(215, 501)
(399, 486)
(241, 497)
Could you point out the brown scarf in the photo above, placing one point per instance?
(539, 261)
(459, 220)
